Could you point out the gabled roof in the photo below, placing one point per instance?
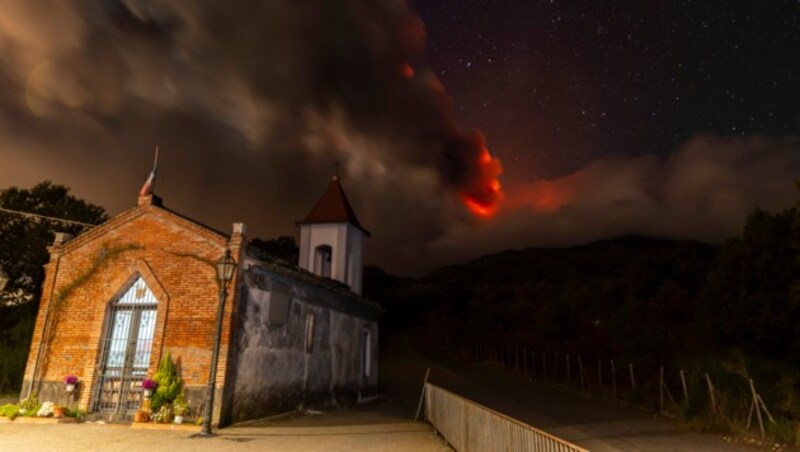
(333, 207)
(147, 204)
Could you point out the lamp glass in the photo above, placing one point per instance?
(225, 267)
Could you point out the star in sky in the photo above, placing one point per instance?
(556, 84)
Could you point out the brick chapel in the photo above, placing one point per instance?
(120, 296)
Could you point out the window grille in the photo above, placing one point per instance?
(126, 348)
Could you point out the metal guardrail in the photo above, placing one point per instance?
(469, 426)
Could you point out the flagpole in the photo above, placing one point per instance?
(155, 168)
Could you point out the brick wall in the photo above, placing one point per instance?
(175, 258)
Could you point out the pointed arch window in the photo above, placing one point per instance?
(127, 346)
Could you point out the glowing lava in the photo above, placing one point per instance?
(406, 70)
(483, 195)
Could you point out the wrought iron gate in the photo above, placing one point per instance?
(125, 357)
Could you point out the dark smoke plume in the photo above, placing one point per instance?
(251, 103)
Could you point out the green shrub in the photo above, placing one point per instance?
(180, 405)
(169, 384)
(29, 406)
(77, 413)
(9, 410)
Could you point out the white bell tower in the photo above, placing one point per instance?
(332, 239)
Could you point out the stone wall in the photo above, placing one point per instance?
(275, 370)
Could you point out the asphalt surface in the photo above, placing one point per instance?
(597, 425)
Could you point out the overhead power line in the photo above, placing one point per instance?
(45, 217)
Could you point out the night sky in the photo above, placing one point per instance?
(463, 128)
(555, 84)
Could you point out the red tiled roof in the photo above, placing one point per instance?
(333, 207)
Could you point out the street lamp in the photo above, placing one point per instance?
(225, 268)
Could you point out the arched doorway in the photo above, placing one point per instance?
(126, 347)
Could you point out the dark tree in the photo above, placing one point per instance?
(282, 248)
(23, 254)
(24, 240)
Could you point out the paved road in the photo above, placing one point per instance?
(590, 423)
(372, 428)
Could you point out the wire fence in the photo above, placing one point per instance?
(469, 426)
(670, 392)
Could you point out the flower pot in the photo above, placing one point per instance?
(178, 419)
(141, 416)
(70, 387)
(147, 393)
(58, 412)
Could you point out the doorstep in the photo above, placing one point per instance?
(178, 427)
(44, 420)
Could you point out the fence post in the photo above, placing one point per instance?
(422, 395)
(758, 409)
(580, 371)
(524, 361)
(569, 374)
(633, 377)
(685, 390)
(555, 365)
(712, 399)
(613, 380)
(599, 376)
(764, 406)
(544, 365)
(661, 388)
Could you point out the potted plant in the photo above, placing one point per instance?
(45, 409)
(163, 416)
(141, 416)
(70, 382)
(180, 407)
(148, 386)
(58, 411)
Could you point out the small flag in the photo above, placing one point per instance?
(150, 184)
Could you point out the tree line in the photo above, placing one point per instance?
(680, 304)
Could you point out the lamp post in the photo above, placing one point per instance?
(225, 268)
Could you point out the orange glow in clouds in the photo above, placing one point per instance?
(547, 196)
(484, 195)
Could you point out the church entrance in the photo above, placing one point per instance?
(129, 326)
